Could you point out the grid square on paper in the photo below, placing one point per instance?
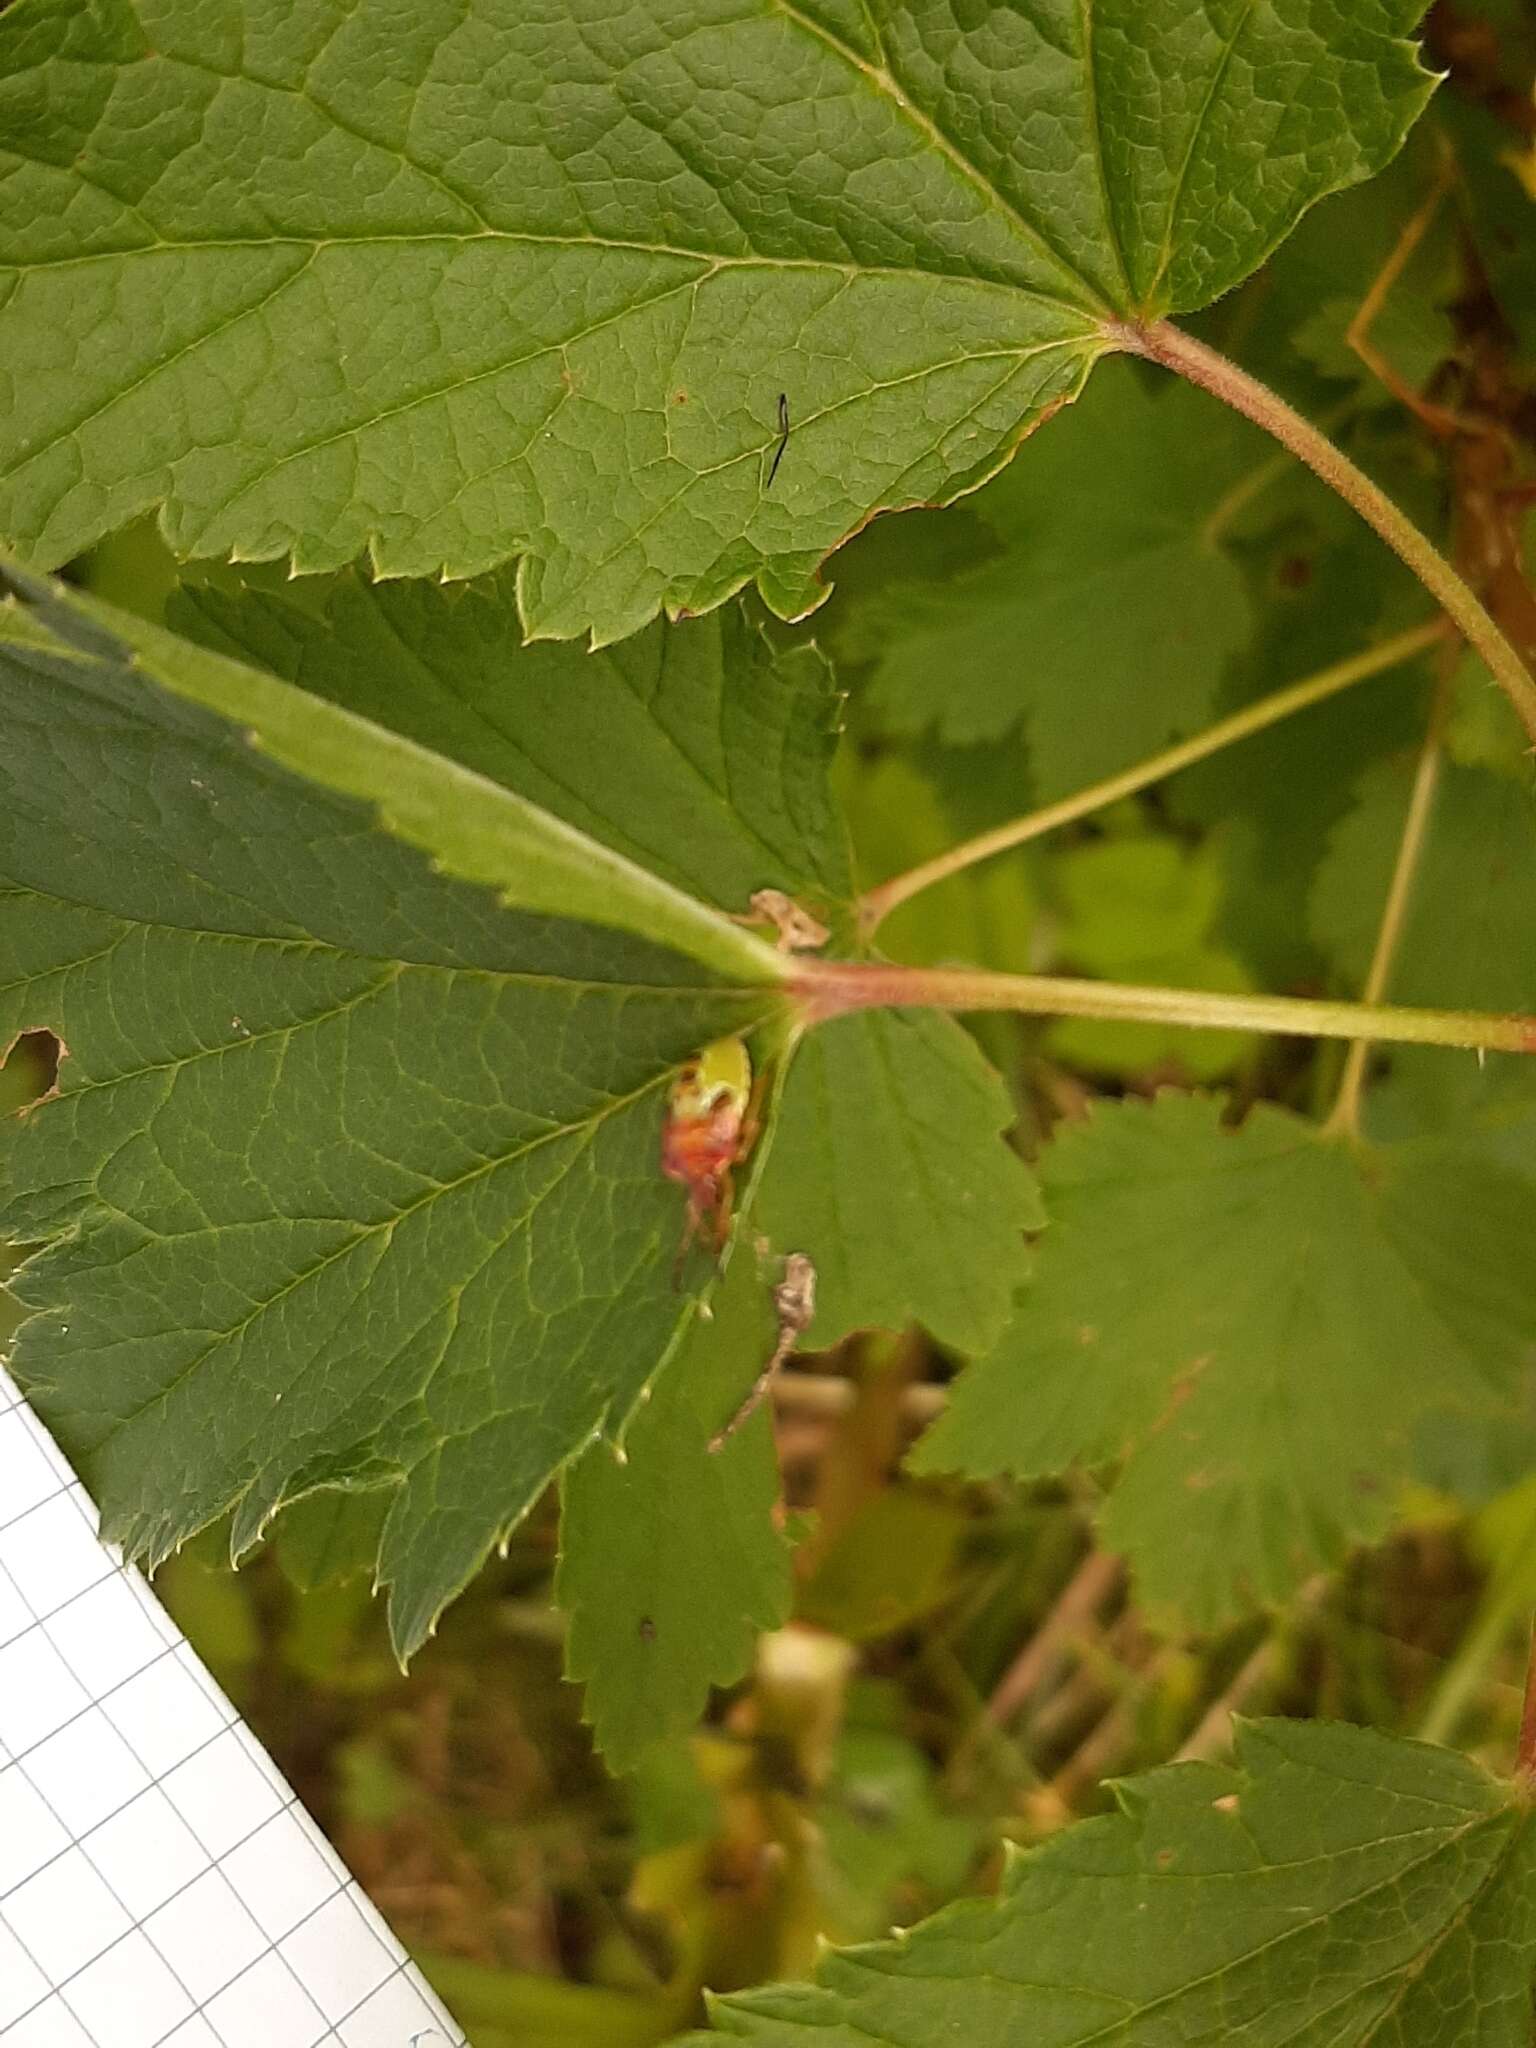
(196, 2033)
(398, 2012)
(99, 1693)
(22, 1983)
(105, 1636)
(53, 2025)
(146, 1852)
(38, 1692)
(337, 1956)
(280, 1874)
(221, 1795)
(164, 1715)
(86, 1771)
(53, 1554)
(129, 1997)
(30, 1832)
(16, 1617)
(30, 1477)
(206, 1935)
(65, 1915)
(265, 2006)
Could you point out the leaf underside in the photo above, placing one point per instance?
(468, 282)
(351, 1174)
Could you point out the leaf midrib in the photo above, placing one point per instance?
(894, 93)
(309, 943)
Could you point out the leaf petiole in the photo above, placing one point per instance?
(826, 989)
(878, 903)
(1169, 345)
(1344, 1118)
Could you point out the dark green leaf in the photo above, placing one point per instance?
(1334, 1888)
(889, 1170)
(1251, 1323)
(669, 1559)
(1106, 619)
(352, 1171)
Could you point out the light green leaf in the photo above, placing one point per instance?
(1106, 619)
(669, 1558)
(1251, 1323)
(1334, 1888)
(470, 827)
(1138, 906)
(475, 280)
(352, 1173)
(898, 817)
(889, 1170)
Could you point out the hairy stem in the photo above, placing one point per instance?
(878, 903)
(1170, 346)
(1344, 1118)
(832, 988)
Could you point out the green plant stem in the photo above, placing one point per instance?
(1344, 1118)
(1175, 350)
(826, 989)
(878, 903)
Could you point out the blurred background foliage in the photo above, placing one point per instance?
(965, 1667)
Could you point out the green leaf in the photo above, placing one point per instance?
(669, 1559)
(472, 281)
(1328, 590)
(886, 1165)
(1107, 617)
(898, 818)
(893, 1563)
(1412, 330)
(351, 1177)
(886, 1834)
(344, 1133)
(328, 1538)
(1333, 1888)
(1251, 1323)
(1138, 906)
(887, 1168)
(1467, 937)
(470, 828)
(701, 756)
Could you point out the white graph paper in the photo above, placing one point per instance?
(160, 1885)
